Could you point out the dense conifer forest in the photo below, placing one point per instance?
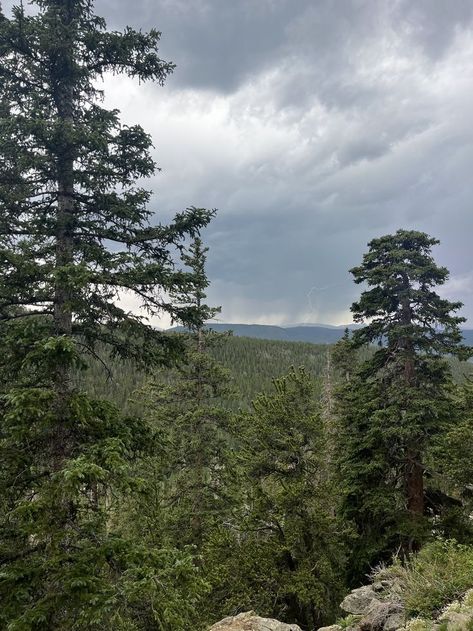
(162, 481)
(252, 364)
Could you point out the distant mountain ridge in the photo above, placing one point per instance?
(320, 324)
(312, 333)
(315, 334)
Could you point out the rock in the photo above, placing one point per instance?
(378, 586)
(333, 627)
(457, 621)
(360, 600)
(383, 616)
(249, 621)
(468, 598)
(395, 621)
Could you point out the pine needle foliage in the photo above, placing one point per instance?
(288, 548)
(184, 408)
(399, 399)
(76, 233)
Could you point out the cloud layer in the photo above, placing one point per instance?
(313, 127)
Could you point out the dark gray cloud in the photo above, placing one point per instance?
(216, 44)
(313, 127)
(219, 44)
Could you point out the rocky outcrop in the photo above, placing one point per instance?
(372, 608)
(383, 616)
(360, 600)
(249, 621)
(457, 616)
(378, 607)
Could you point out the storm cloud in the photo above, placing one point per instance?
(313, 126)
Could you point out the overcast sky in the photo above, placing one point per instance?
(313, 126)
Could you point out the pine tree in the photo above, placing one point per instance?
(288, 558)
(451, 457)
(185, 408)
(344, 355)
(188, 485)
(400, 397)
(75, 235)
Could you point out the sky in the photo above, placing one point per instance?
(312, 126)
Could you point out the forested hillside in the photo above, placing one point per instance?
(252, 364)
(312, 333)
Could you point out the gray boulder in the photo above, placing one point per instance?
(249, 621)
(383, 616)
(360, 600)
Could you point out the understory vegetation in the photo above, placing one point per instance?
(440, 574)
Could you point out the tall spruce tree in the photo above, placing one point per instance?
(400, 398)
(189, 488)
(287, 545)
(185, 408)
(75, 235)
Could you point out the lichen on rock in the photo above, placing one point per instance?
(249, 621)
(360, 600)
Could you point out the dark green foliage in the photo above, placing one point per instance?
(405, 311)
(255, 363)
(451, 463)
(187, 483)
(67, 179)
(251, 492)
(75, 234)
(187, 474)
(108, 521)
(252, 365)
(285, 545)
(372, 436)
(399, 399)
(63, 567)
(454, 449)
(185, 411)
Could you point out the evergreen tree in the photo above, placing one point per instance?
(451, 459)
(184, 407)
(286, 548)
(75, 235)
(188, 488)
(400, 398)
(345, 359)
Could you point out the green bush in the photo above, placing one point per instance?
(440, 573)
(349, 621)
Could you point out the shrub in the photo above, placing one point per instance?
(440, 573)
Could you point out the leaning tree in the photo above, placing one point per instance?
(400, 397)
(76, 237)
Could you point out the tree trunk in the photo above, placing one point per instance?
(62, 78)
(414, 470)
(414, 483)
